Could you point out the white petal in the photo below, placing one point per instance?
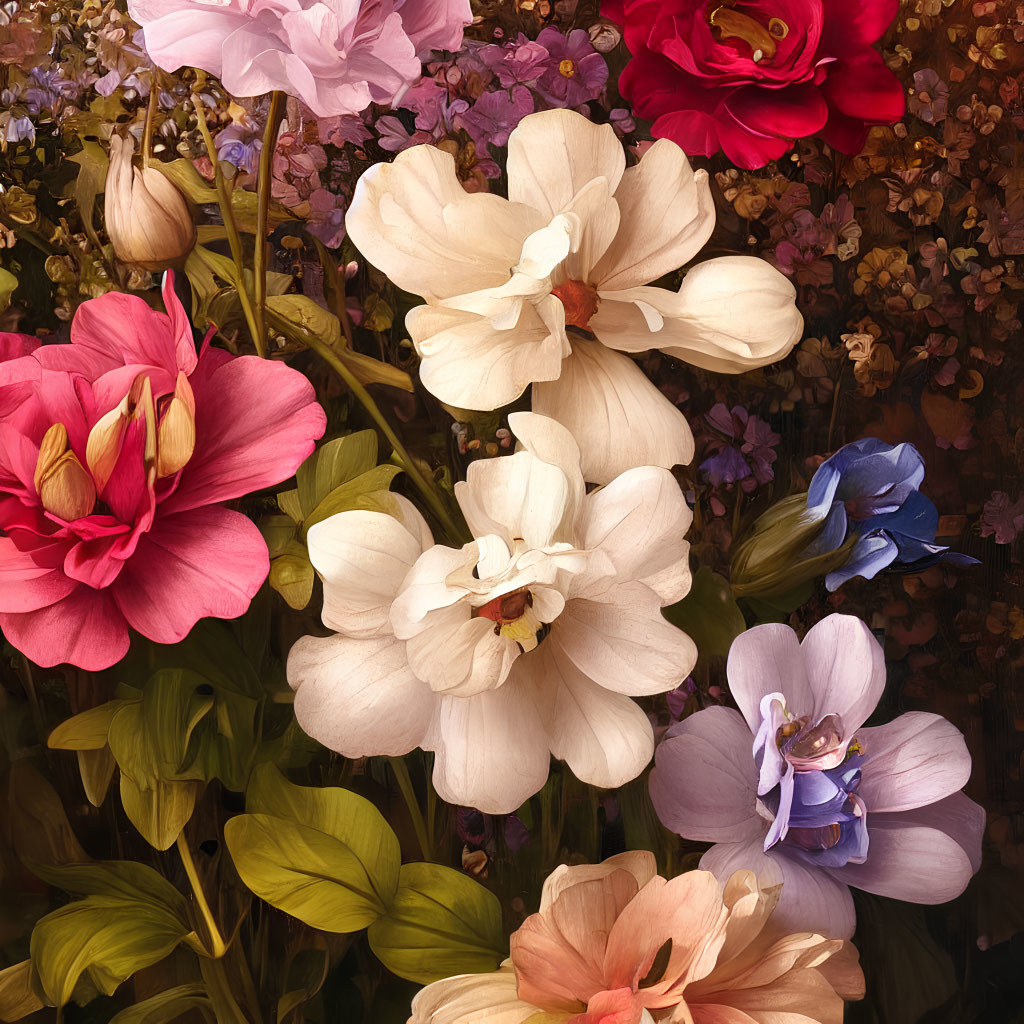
(640, 520)
(472, 999)
(811, 899)
(767, 659)
(618, 417)
(491, 751)
(553, 154)
(704, 781)
(639, 863)
(604, 737)
(731, 314)
(459, 655)
(425, 588)
(623, 642)
(363, 558)
(413, 220)
(668, 214)
(519, 496)
(845, 668)
(598, 216)
(359, 697)
(469, 363)
(916, 760)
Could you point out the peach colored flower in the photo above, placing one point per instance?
(615, 943)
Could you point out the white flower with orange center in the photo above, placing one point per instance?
(528, 641)
(552, 285)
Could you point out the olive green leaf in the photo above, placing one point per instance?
(8, 284)
(323, 855)
(130, 917)
(440, 923)
(19, 995)
(708, 614)
(168, 1006)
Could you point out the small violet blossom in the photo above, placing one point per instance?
(751, 463)
(794, 787)
(1002, 517)
(577, 72)
(869, 489)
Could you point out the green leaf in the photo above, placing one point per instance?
(105, 938)
(302, 312)
(8, 283)
(292, 576)
(87, 730)
(333, 464)
(159, 811)
(368, 491)
(338, 813)
(303, 872)
(441, 923)
(123, 879)
(92, 175)
(18, 992)
(708, 614)
(166, 1007)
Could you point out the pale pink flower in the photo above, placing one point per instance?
(615, 943)
(573, 249)
(528, 641)
(116, 455)
(337, 56)
(794, 787)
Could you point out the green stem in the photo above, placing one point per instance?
(218, 988)
(218, 946)
(231, 226)
(398, 766)
(419, 481)
(147, 131)
(263, 189)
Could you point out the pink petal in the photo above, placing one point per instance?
(256, 421)
(845, 25)
(84, 629)
(845, 668)
(435, 24)
(704, 782)
(767, 659)
(26, 586)
(865, 89)
(790, 113)
(913, 861)
(205, 562)
(916, 760)
(811, 899)
(14, 346)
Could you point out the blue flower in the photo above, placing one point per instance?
(869, 489)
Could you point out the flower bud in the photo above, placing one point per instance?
(783, 552)
(64, 486)
(147, 218)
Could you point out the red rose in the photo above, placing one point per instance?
(749, 76)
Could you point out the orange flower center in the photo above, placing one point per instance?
(763, 40)
(580, 301)
(567, 68)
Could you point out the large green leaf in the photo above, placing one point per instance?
(338, 813)
(303, 872)
(368, 491)
(168, 1006)
(123, 879)
(87, 730)
(333, 464)
(105, 938)
(708, 614)
(18, 992)
(440, 923)
(159, 811)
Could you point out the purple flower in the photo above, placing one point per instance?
(822, 803)
(520, 62)
(577, 72)
(239, 145)
(494, 115)
(929, 97)
(755, 455)
(1002, 518)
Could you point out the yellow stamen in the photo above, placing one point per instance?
(732, 24)
(567, 68)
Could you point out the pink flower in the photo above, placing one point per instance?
(1002, 517)
(748, 77)
(793, 786)
(615, 943)
(337, 56)
(116, 455)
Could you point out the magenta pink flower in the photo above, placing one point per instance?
(749, 76)
(116, 454)
(337, 56)
(794, 787)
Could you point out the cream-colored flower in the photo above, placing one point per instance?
(574, 247)
(147, 218)
(529, 641)
(615, 943)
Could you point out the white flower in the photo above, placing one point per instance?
(529, 641)
(576, 244)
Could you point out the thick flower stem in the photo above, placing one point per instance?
(231, 226)
(399, 767)
(217, 945)
(147, 131)
(263, 189)
(420, 482)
